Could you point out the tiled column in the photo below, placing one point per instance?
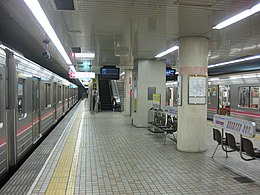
(192, 118)
(127, 99)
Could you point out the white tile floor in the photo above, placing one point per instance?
(117, 158)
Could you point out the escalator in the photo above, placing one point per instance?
(105, 95)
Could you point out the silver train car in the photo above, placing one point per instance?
(32, 99)
(235, 95)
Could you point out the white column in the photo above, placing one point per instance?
(146, 74)
(127, 99)
(192, 119)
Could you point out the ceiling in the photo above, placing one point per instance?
(120, 31)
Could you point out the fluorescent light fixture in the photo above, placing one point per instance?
(214, 79)
(235, 77)
(167, 51)
(234, 61)
(84, 55)
(72, 68)
(39, 14)
(82, 83)
(122, 74)
(169, 83)
(238, 17)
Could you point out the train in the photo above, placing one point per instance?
(32, 100)
(236, 95)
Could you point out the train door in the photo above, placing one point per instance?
(224, 99)
(36, 108)
(55, 100)
(3, 148)
(63, 99)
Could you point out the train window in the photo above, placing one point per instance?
(224, 95)
(59, 94)
(244, 94)
(21, 97)
(47, 95)
(254, 97)
(209, 95)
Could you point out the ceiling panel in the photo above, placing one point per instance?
(119, 31)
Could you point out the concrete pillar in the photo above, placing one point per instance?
(192, 119)
(127, 99)
(147, 75)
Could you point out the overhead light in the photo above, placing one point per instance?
(214, 79)
(82, 83)
(83, 55)
(122, 74)
(234, 61)
(167, 51)
(238, 17)
(72, 68)
(39, 14)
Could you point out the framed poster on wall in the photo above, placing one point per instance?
(197, 89)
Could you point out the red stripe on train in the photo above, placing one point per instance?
(29, 125)
(212, 109)
(2, 142)
(26, 127)
(244, 113)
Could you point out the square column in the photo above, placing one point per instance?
(146, 74)
(128, 86)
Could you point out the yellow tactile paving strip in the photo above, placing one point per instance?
(63, 178)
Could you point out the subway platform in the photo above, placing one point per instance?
(105, 154)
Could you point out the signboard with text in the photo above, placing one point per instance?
(243, 127)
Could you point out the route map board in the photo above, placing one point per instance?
(197, 89)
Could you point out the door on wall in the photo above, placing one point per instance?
(36, 109)
(3, 145)
(2, 111)
(224, 99)
(55, 100)
(63, 99)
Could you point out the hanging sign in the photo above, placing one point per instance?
(78, 75)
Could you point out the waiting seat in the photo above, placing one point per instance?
(171, 126)
(248, 149)
(231, 142)
(217, 137)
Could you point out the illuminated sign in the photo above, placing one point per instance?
(83, 55)
(77, 75)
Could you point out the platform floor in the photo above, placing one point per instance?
(104, 154)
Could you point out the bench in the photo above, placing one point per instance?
(171, 127)
(158, 121)
(243, 128)
(164, 123)
(249, 150)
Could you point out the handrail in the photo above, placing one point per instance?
(115, 93)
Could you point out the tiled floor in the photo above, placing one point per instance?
(114, 157)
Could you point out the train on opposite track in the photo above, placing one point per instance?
(236, 95)
(32, 100)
